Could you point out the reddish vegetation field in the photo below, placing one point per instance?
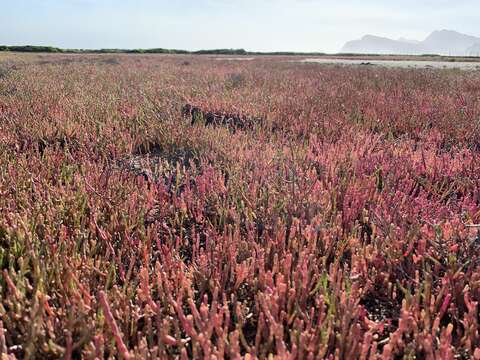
(340, 225)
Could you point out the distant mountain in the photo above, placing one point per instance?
(371, 44)
(409, 41)
(474, 50)
(447, 42)
(443, 42)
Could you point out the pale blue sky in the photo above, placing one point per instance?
(264, 25)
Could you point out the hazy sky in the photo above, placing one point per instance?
(265, 25)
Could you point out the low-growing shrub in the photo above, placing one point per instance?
(341, 223)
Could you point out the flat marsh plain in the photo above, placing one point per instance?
(339, 224)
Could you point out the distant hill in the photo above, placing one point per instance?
(443, 42)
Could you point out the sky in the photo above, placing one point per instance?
(256, 25)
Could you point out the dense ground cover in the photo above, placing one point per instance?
(341, 226)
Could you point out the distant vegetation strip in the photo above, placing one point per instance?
(236, 52)
(50, 49)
